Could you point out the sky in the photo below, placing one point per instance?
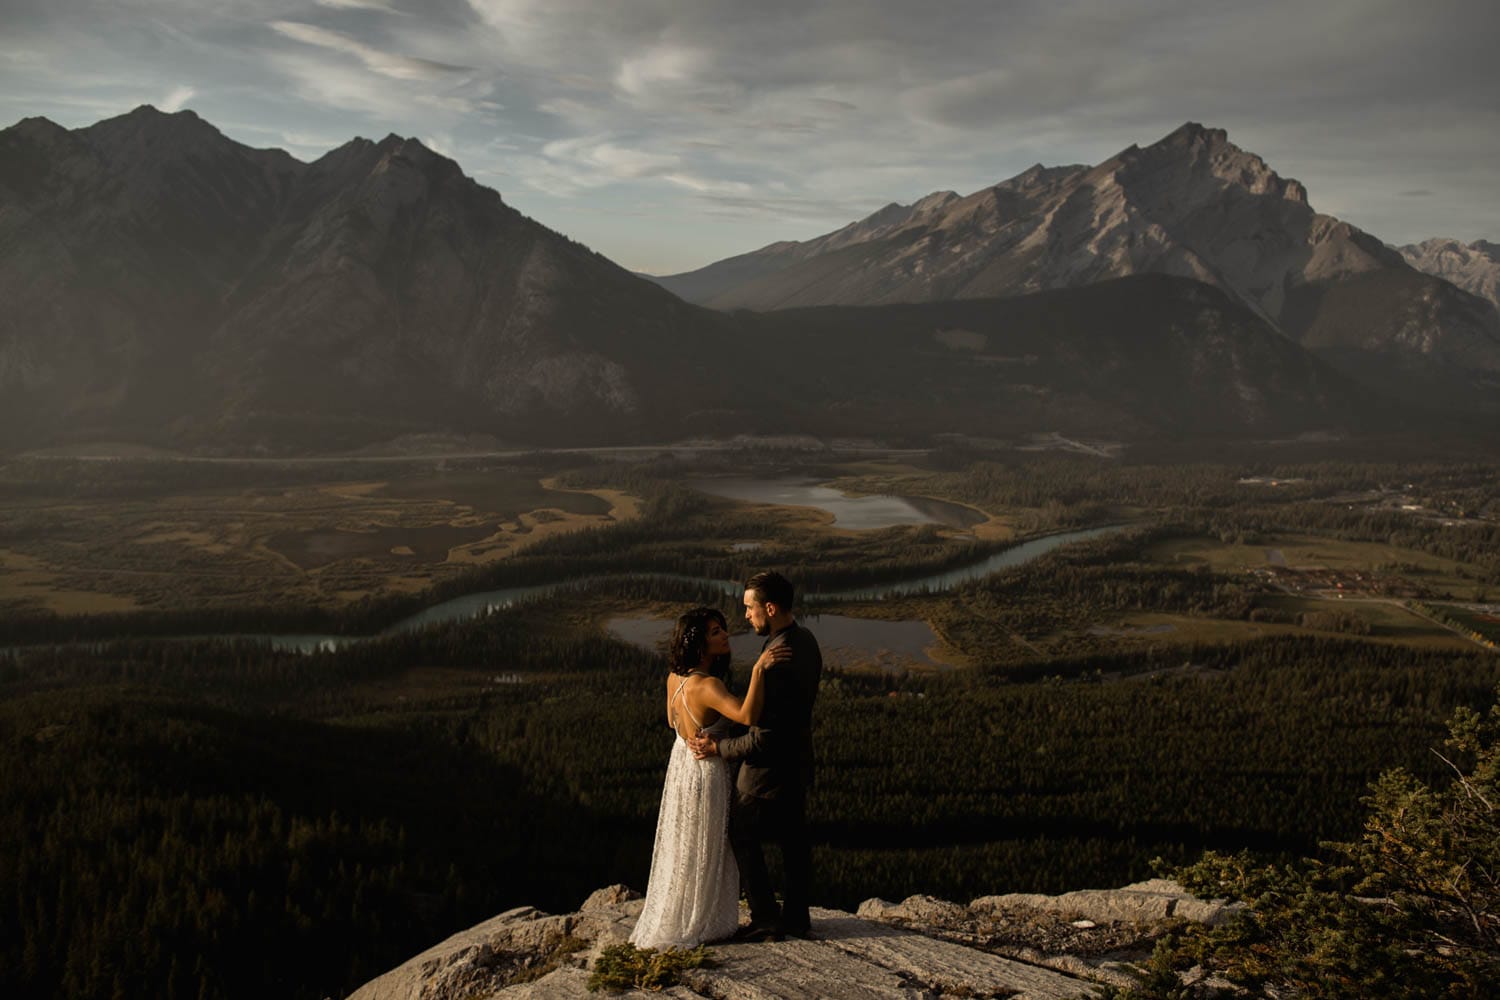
(667, 134)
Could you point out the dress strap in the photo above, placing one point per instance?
(678, 694)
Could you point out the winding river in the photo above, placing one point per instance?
(485, 602)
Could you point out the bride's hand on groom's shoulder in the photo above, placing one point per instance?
(773, 656)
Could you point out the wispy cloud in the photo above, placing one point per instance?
(346, 87)
(376, 5)
(398, 67)
(610, 159)
(740, 122)
(175, 100)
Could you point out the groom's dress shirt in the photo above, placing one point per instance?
(776, 754)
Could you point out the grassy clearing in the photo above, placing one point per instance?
(503, 497)
(1486, 622)
(1308, 552)
(1298, 551)
(1390, 624)
(310, 544)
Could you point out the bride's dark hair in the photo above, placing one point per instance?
(690, 639)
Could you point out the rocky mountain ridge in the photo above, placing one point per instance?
(1192, 205)
(1474, 267)
(168, 286)
(1180, 206)
(1027, 946)
(166, 281)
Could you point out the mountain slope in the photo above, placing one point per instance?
(165, 281)
(1142, 356)
(1191, 205)
(167, 285)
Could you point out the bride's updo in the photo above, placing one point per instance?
(690, 639)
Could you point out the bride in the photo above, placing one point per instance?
(693, 893)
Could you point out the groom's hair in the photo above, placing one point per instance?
(772, 588)
(690, 638)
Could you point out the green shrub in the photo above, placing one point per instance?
(1410, 909)
(624, 966)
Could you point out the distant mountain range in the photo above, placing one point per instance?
(1474, 267)
(1192, 205)
(165, 284)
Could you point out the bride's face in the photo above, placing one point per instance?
(718, 639)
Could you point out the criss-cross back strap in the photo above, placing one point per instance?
(678, 694)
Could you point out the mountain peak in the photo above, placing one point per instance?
(152, 112)
(36, 128)
(148, 116)
(1194, 132)
(145, 126)
(1204, 151)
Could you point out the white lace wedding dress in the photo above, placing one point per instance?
(693, 893)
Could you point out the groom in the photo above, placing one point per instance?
(776, 767)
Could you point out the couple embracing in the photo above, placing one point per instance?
(711, 830)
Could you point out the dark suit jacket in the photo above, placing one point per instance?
(776, 754)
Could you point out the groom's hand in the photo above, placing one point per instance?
(703, 745)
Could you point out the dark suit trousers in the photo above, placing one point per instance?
(754, 821)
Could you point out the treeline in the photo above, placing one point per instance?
(222, 820)
(155, 848)
(265, 812)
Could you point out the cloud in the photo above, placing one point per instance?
(709, 185)
(609, 159)
(390, 101)
(781, 119)
(380, 6)
(669, 67)
(397, 67)
(828, 104)
(177, 98)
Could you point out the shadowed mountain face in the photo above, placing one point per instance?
(1132, 357)
(1192, 205)
(165, 282)
(167, 285)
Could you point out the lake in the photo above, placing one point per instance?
(847, 643)
(857, 513)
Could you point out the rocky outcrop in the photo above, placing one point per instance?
(1474, 267)
(1024, 946)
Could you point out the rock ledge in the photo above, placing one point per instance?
(1021, 945)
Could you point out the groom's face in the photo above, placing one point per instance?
(755, 613)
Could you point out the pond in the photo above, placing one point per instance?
(847, 643)
(856, 513)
